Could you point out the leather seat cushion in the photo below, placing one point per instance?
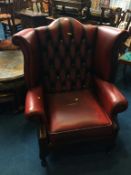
(77, 112)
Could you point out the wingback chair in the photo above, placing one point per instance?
(69, 70)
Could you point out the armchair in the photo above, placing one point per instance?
(69, 70)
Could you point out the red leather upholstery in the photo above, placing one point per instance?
(69, 68)
(76, 112)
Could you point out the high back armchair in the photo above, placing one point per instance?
(69, 69)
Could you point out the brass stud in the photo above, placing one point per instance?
(76, 99)
(70, 34)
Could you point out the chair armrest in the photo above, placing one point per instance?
(112, 100)
(34, 104)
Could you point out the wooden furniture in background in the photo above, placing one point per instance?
(98, 14)
(10, 24)
(32, 19)
(35, 14)
(12, 86)
(110, 16)
(125, 55)
(125, 20)
(39, 5)
(20, 4)
(5, 17)
(7, 45)
(72, 7)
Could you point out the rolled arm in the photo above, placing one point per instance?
(24, 35)
(34, 104)
(112, 100)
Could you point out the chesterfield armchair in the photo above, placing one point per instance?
(69, 69)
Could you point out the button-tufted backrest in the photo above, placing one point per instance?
(66, 55)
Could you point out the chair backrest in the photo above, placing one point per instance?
(63, 55)
(66, 52)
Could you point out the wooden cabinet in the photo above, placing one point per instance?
(70, 6)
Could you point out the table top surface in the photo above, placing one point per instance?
(30, 13)
(11, 65)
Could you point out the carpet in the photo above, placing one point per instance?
(19, 152)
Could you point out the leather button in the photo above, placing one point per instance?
(68, 76)
(58, 77)
(76, 99)
(69, 34)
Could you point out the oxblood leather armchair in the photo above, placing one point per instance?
(69, 69)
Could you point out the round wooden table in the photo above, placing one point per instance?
(11, 77)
